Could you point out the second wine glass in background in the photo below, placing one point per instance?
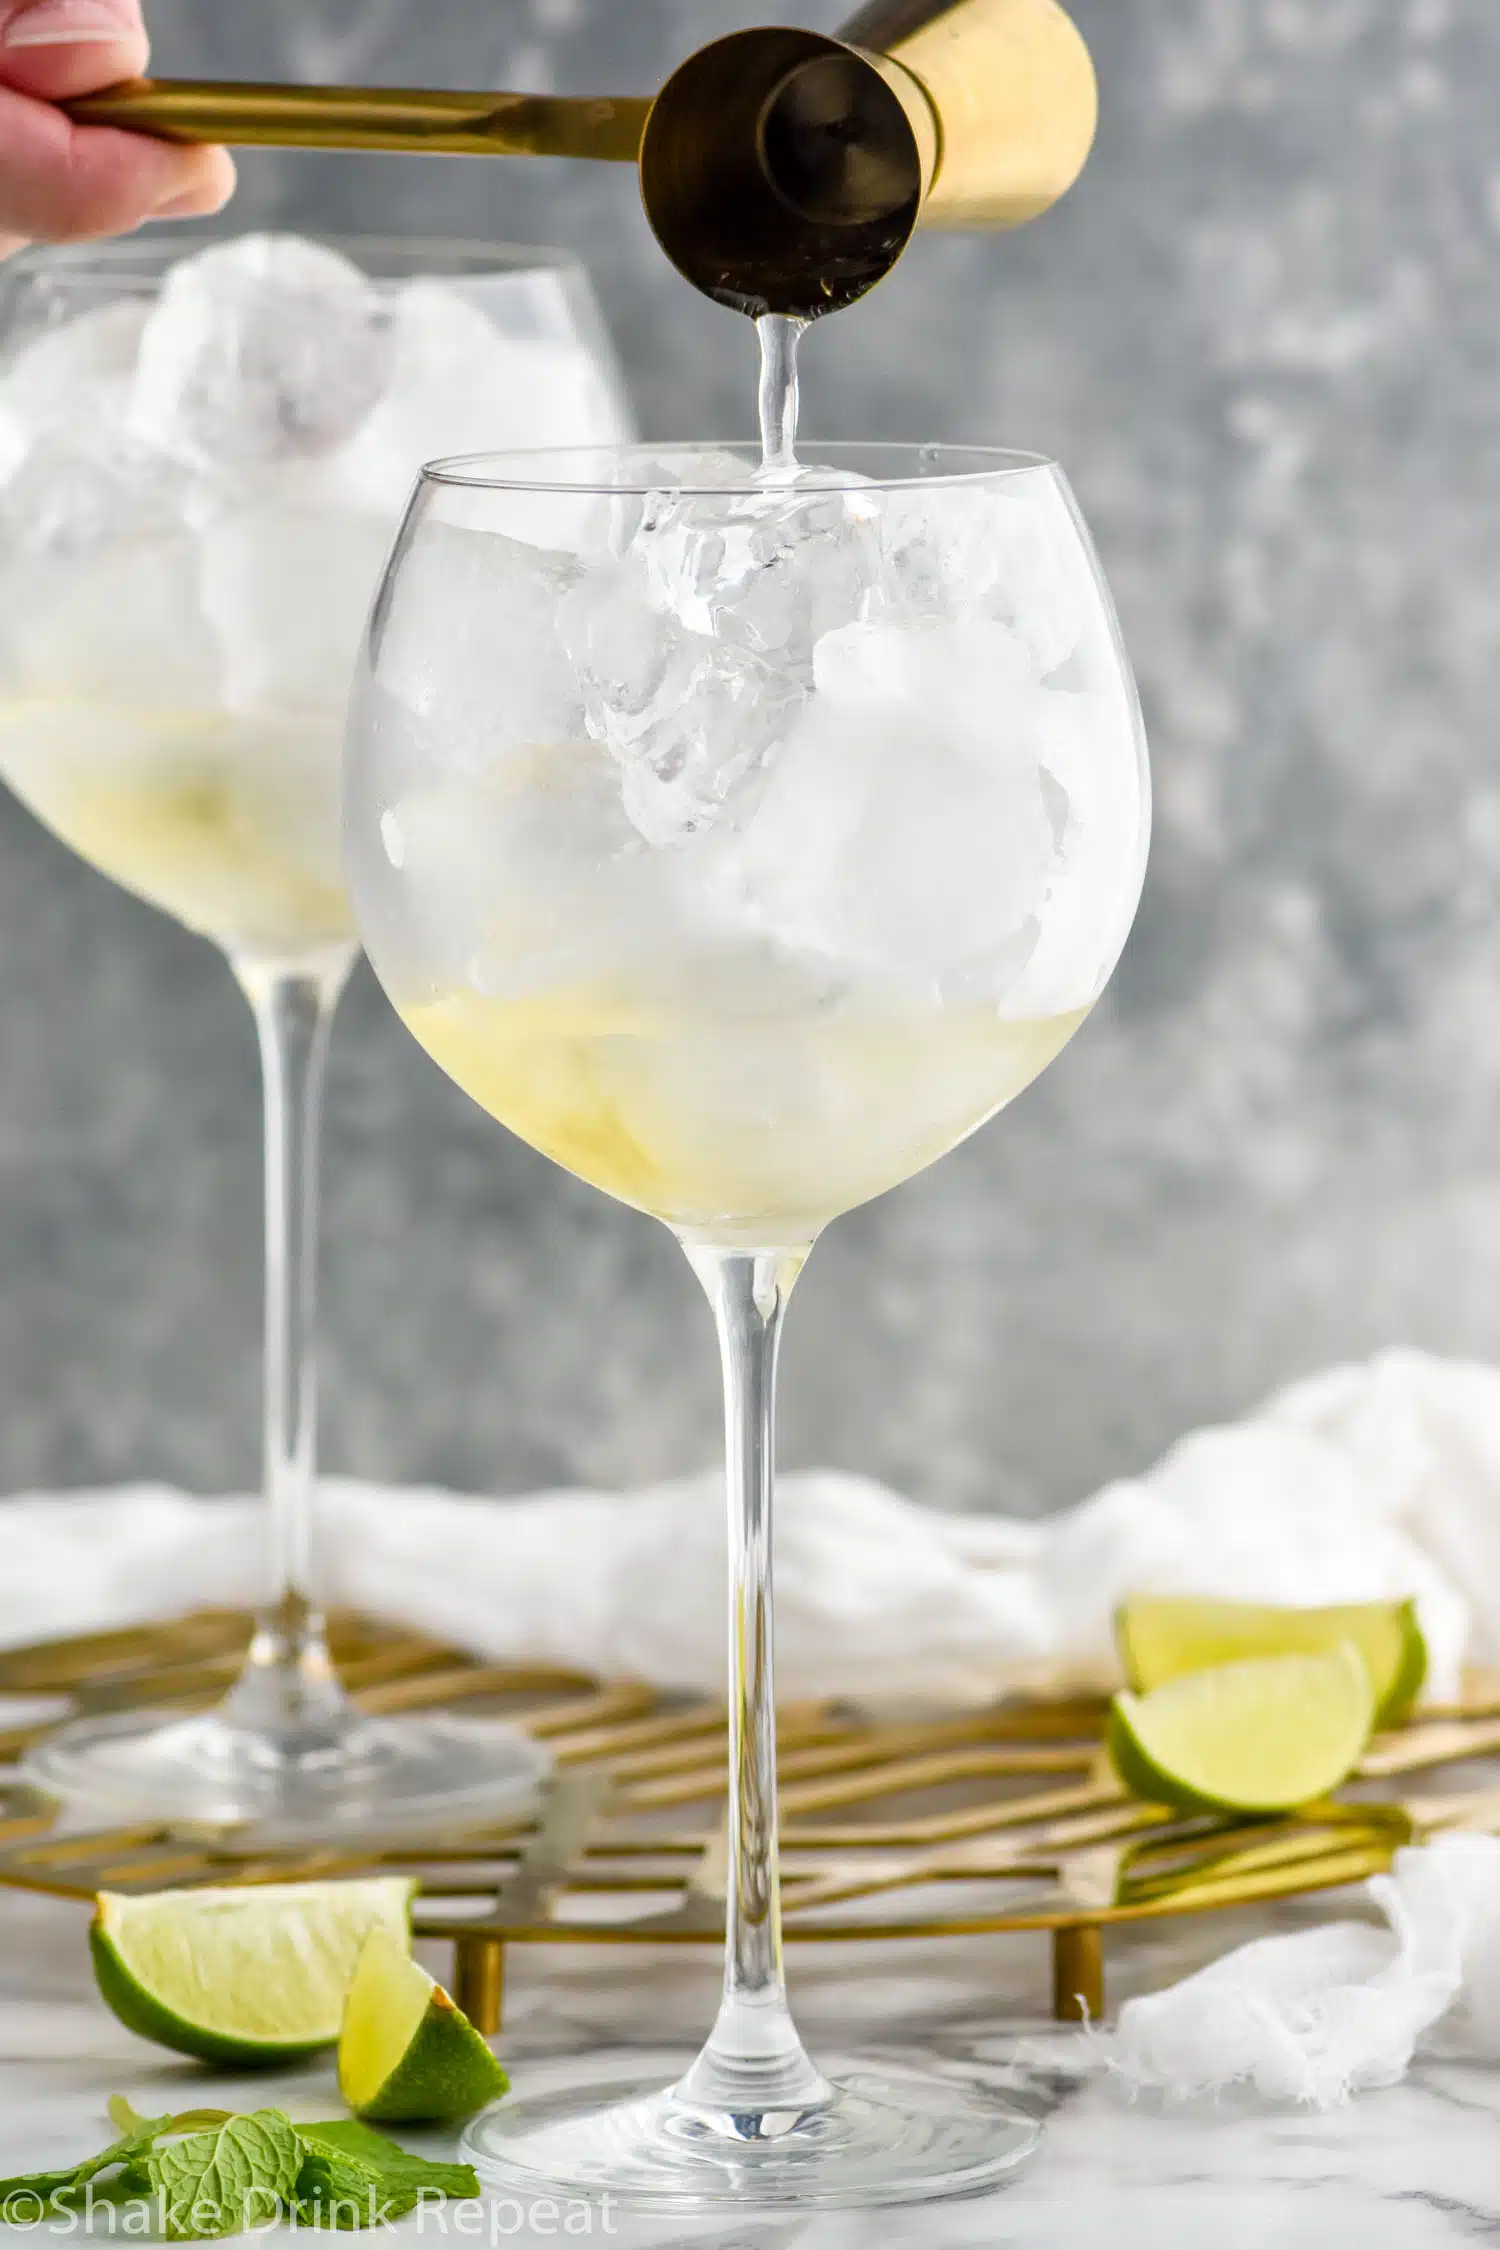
(204, 454)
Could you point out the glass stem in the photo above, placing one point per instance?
(753, 2076)
(288, 1693)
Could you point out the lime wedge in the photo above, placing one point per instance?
(1161, 1638)
(1259, 1736)
(252, 1975)
(407, 2054)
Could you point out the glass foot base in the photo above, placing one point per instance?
(888, 2135)
(374, 1777)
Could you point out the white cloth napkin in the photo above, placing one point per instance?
(1315, 2017)
(1369, 1482)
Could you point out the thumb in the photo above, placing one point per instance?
(56, 48)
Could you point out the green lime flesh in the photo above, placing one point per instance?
(248, 1975)
(1259, 1736)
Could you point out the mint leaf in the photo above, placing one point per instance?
(331, 2193)
(339, 2187)
(35, 2193)
(126, 2120)
(354, 2177)
(351, 2137)
(214, 2174)
(31, 2195)
(133, 2126)
(237, 2175)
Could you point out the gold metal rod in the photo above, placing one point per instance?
(1078, 1973)
(479, 1981)
(438, 123)
(71, 1664)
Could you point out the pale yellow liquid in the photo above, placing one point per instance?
(736, 1129)
(192, 813)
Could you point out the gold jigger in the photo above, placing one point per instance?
(782, 171)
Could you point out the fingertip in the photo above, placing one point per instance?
(226, 176)
(53, 49)
(207, 190)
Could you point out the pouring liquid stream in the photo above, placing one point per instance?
(780, 336)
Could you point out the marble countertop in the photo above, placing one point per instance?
(1408, 2169)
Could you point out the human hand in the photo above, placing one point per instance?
(61, 182)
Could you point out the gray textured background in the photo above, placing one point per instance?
(1262, 336)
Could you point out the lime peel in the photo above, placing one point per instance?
(407, 2053)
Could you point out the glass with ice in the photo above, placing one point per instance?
(204, 454)
(744, 837)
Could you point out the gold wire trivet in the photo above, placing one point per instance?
(983, 1821)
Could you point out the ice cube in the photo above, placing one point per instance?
(470, 646)
(904, 828)
(1088, 744)
(523, 875)
(648, 479)
(262, 349)
(86, 487)
(1009, 551)
(99, 575)
(125, 626)
(694, 644)
(75, 375)
(683, 469)
(73, 358)
(686, 717)
(960, 678)
(458, 384)
(287, 590)
(771, 571)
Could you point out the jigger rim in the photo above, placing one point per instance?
(507, 469)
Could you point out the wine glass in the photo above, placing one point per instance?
(203, 459)
(743, 841)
